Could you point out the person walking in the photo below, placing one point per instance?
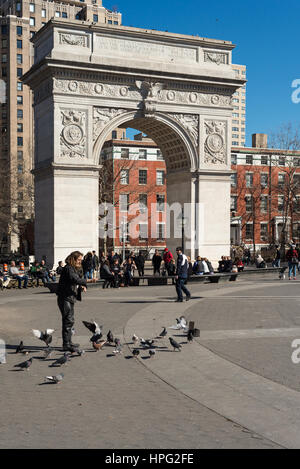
(87, 265)
(277, 259)
(181, 276)
(71, 284)
(292, 258)
(140, 264)
(156, 262)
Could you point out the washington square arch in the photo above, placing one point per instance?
(88, 80)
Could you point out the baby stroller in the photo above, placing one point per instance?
(282, 273)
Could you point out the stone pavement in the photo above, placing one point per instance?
(235, 387)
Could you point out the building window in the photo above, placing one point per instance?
(4, 58)
(19, 127)
(234, 180)
(20, 195)
(249, 231)
(235, 136)
(125, 176)
(281, 161)
(20, 168)
(235, 129)
(264, 178)
(20, 209)
(143, 203)
(32, 34)
(281, 179)
(19, 59)
(116, 22)
(19, 86)
(32, 7)
(19, 72)
(4, 72)
(43, 13)
(19, 30)
(143, 231)
(249, 159)
(142, 154)
(78, 16)
(160, 178)
(296, 181)
(114, 134)
(64, 14)
(125, 153)
(142, 176)
(32, 21)
(19, 99)
(264, 204)
(20, 141)
(159, 155)
(160, 229)
(249, 180)
(235, 144)
(233, 203)
(235, 114)
(4, 29)
(95, 18)
(20, 155)
(248, 200)
(109, 22)
(124, 202)
(264, 231)
(160, 202)
(264, 160)
(234, 159)
(4, 43)
(19, 44)
(57, 14)
(280, 203)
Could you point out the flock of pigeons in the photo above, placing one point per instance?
(98, 344)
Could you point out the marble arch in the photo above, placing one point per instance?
(89, 79)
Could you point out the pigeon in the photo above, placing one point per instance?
(96, 338)
(44, 336)
(20, 347)
(190, 336)
(181, 325)
(110, 337)
(152, 353)
(25, 365)
(93, 327)
(55, 379)
(80, 352)
(118, 348)
(175, 344)
(135, 353)
(135, 339)
(99, 346)
(147, 343)
(164, 333)
(48, 353)
(62, 361)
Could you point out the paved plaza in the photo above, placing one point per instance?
(234, 387)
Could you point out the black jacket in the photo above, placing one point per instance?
(182, 266)
(68, 284)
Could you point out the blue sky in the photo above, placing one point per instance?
(267, 36)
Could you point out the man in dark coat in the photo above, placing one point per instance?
(140, 264)
(156, 262)
(181, 276)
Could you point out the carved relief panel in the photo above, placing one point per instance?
(73, 135)
(215, 152)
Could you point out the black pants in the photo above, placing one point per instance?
(67, 313)
(141, 270)
(180, 287)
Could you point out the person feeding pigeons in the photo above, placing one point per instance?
(71, 284)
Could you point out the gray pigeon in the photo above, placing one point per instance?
(175, 344)
(62, 361)
(152, 353)
(20, 347)
(55, 379)
(47, 353)
(25, 365)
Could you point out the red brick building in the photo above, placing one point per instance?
(265, 195)
(135, 185)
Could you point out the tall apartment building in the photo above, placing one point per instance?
(239, 110)
(135, 185)
(19, 21)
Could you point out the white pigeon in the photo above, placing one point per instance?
(181, 325)
(44, 336)
(135, 339)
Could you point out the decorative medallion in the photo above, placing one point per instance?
(72, 134)
(215, 146)
(73, 86)
(98, 88)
